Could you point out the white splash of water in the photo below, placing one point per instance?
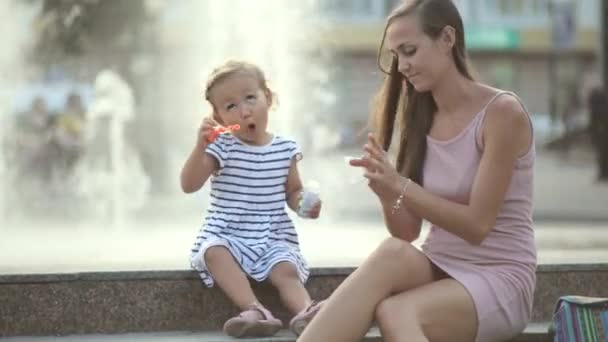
(280, 37)
(110, 174)
(14, 25)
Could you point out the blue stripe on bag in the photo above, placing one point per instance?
(580, 319)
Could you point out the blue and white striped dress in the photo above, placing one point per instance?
(247, 213)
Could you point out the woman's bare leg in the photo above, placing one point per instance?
(395, 266)
(440, 311)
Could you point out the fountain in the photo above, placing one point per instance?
(279, 37)
(111, 184)
(116, 176)
(12, 69)
(196, 36)
(110, 174)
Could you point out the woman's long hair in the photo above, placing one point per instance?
(415, 109)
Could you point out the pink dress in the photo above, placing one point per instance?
(500, 273)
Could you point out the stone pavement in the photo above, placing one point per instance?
(566, 189)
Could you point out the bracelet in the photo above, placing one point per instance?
(399, 200)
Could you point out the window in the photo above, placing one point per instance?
(514, 13)
(522, 7)
(589, 13)
(354, 10)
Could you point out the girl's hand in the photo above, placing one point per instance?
(205, 132)
(309, 204)
(383, 177)
(315, 211)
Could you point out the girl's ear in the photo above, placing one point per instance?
(269, 95)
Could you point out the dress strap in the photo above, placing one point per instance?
(478, 139)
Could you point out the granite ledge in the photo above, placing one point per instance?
(188, 275)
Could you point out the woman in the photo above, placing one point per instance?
(465, 164)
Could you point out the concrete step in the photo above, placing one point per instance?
(535, 332)
(125, 302)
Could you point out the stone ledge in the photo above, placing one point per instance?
(136, 275)
(122, 302)
(535, 332)
(189, 275)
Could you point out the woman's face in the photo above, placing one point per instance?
(422, 60)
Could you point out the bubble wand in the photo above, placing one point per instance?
(221, 129)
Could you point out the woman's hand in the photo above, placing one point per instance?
(383, 177)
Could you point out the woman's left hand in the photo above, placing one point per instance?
(383, 177)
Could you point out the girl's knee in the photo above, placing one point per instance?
(283, 271)
(217, 255)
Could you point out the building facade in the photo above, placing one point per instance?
(542, 49)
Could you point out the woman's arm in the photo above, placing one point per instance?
(506, 135)
(401, 224)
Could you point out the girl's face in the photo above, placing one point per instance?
(239, 99)
(422, 60)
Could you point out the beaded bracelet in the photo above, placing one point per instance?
(399, 200)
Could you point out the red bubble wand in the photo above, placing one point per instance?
(221, 129)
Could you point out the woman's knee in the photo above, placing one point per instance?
(392, 312)
(283, 272)
(397, 251)
(400, 264)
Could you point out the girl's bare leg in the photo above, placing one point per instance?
(229, 276)
(284, 276)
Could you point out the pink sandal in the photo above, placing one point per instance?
(249, 324)
(301, 320)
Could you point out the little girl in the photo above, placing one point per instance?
(247, 232)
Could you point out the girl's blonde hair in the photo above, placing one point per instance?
(233, 67)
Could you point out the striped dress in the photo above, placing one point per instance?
(247, 213)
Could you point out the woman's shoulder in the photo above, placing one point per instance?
(506, 102)
(490, 94)
(506, 113)
(507, 106)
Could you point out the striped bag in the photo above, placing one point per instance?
(580, 319)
